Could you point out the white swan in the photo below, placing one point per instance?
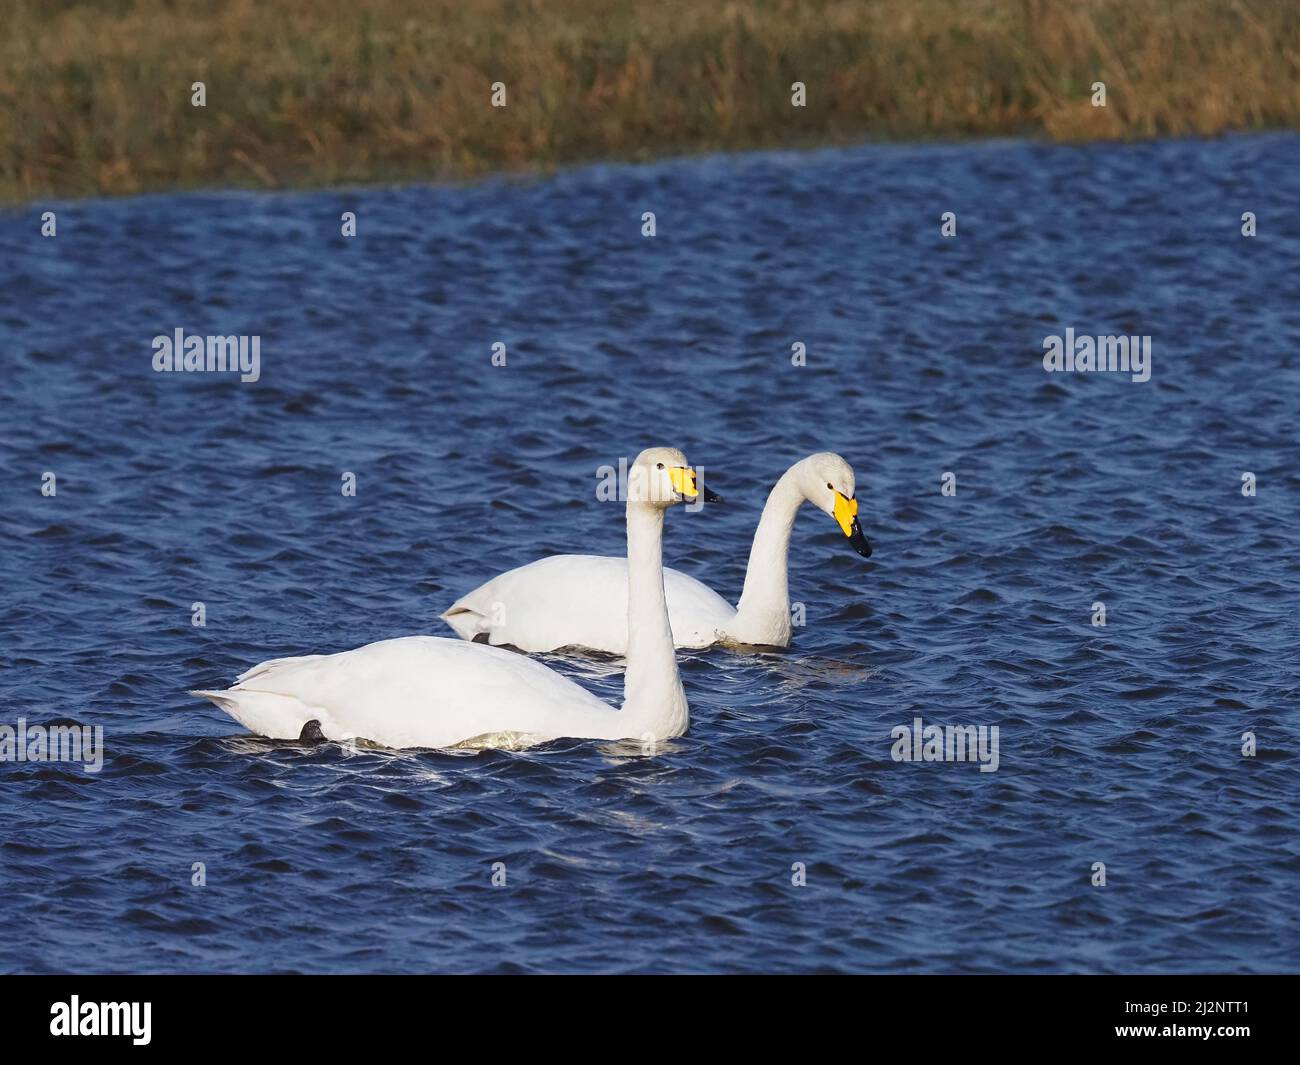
(581, 600)
(429, 691)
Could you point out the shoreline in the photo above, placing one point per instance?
(529, 174)
(302, 96)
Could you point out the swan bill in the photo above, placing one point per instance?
(846, 513)
(686, 485)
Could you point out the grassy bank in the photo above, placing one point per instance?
(95, 98)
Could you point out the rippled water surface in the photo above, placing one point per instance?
(1120, 744)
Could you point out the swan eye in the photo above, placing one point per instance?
(659, 466)
(830, 486)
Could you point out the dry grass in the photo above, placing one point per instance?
(95, 98)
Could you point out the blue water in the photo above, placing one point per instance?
(1119, 744)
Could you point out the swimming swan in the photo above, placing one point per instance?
(430, 691)
(581, 600)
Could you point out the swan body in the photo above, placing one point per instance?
(581, 600)
(384, 692)
(428, 691)
(589, 592)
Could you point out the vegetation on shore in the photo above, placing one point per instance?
(95, 98)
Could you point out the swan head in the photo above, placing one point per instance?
(828, 483)
(661, 476)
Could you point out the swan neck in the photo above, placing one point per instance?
(766, 594)
(652, 690)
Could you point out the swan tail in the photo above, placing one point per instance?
(269, 714)
(262, 668)
(467, 622)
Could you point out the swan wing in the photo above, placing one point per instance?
(558, 601)
(580, 601)
(699, 615)
(416, 691)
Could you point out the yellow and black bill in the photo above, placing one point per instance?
(688, 487)
(846, 513)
